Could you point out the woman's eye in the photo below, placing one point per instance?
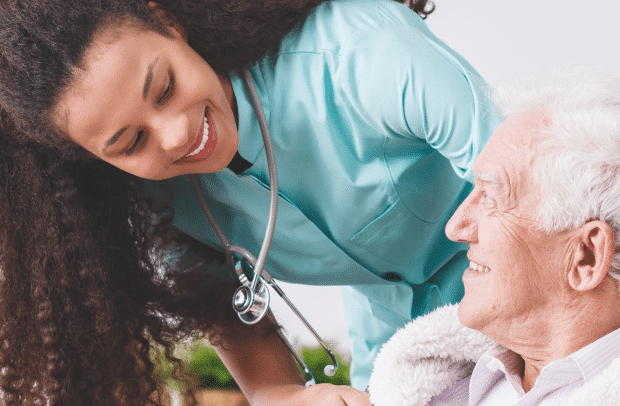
(487, 198)
(136, 143)
(168, 92)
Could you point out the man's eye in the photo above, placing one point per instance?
(136, 143)
(168, 92)
(487, 198)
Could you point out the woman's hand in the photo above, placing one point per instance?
(317, 395)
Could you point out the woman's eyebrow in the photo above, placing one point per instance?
(114, 138)
(149, 78)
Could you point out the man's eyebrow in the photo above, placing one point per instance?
(488, 178)
(149, 78)
(114, 138)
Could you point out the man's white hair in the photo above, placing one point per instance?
(578, 167)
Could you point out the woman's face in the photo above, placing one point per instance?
(150, 105)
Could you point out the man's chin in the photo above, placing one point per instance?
(470, 316)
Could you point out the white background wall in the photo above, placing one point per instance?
(502, 39)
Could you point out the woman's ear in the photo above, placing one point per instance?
(170, 19)
(593, 257)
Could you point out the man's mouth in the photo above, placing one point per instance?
(203, 146)
(478, 268)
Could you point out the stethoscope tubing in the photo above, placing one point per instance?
(273, 179)
(258, 264)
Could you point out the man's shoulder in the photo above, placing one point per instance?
(603, 389)
(425, 358)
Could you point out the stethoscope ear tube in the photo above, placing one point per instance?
(251, 299)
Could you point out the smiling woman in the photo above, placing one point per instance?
(375, 124)
(80, 293)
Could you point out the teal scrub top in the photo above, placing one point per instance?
(375, 125)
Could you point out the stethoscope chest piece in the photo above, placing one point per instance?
(251, 305)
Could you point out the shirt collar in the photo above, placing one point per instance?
(494, 364)
(584, 363)
(596, 356)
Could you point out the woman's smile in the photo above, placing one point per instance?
(203, 146)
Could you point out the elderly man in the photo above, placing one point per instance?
(542, 292)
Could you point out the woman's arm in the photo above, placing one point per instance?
(406, 83)
(267, 373)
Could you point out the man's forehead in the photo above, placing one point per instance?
(515, 143)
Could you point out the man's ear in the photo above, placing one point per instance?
(593, 256)
(170, 20)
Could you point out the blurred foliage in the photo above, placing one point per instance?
(202, 360)
(316, 358)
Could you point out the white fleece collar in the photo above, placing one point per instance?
(432, 352)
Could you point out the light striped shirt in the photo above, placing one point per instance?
(496, 379)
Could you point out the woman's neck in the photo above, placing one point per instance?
(230, 94)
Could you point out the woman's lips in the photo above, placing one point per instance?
(204, 145)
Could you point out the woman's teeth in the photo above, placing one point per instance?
(205, 138)
(478, 268)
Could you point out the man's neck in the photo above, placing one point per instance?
(568, 330)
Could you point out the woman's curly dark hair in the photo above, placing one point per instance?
(81, 299)
(82, 295)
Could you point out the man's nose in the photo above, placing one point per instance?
(463, 226)
(173, 132)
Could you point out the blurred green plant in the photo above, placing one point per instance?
(316, 358)
(202, 360)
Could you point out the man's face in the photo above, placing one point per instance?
(516, 271)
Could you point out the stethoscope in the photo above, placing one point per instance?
(251, 299)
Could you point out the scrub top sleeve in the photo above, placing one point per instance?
(406, 83)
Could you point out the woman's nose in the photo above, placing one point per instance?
(173, 132)
(463, 225)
